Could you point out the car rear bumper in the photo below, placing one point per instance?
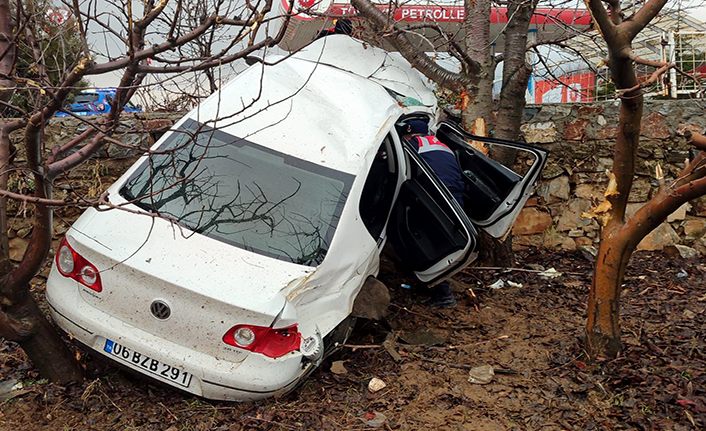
(254, 377)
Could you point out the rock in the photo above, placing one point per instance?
(373, 300)
(589, 110)
(539, 133)
(575, 233)
(557, 190)
(572, 217)
(631, 209)
(682, 251)
(601, 120)
(532, 202)
(575, 130)
(679, 214)
(654, 126)
(552, 239)
(609, 132)
(561, 111)
(640, 191)
(659, 238)
(531, 221)
(337, 367)
(376, 384)
(141, 142)
(694, 229)
(568, 244)
(17, 248)
(24, 232)
(588, 191)
(583, 241)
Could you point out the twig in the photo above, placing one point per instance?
(362, 346)
(503, 269)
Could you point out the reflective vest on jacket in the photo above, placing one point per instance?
(443, 161)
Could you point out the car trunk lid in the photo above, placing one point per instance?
(208, 285)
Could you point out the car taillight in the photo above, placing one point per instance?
(270, 342)
(72, 265)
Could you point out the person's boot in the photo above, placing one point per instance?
(441, 297)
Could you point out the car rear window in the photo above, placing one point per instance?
(242, 193)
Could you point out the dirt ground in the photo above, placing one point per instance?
(531, 335)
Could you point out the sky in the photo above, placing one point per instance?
(697, 10)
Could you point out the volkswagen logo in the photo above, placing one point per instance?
(160, 310)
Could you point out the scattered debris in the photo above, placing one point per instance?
(375, 419)
(681, 274)
(481, 375)
(376, 384)
(498, 284)
(337, 367)
(550, 273)
(10, 389)
(502, 283)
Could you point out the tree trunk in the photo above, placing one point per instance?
(24, 322)
(480, 87)
(7, 50)
(602, 326)
(7, 63)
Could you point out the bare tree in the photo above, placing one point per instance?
(156, 37)
(620, 236)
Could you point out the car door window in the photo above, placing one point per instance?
(379, 189)
(494, 193)
(428, 230)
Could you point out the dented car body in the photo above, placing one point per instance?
(250, 229)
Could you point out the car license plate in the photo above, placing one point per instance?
(153, 366)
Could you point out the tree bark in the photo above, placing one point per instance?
(22, 321)
(7, 63)
(8, 48)
(480, 84)
(618, 239)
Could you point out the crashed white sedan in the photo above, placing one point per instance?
(250, 228)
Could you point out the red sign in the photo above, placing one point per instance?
(571, 88)
(458, 13)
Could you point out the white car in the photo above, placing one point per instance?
(248, 231)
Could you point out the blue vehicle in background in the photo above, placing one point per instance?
(94, 102)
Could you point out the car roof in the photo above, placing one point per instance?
(326, 112)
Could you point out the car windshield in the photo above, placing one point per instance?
(86, 98)
(242, 193)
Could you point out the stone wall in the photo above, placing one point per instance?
(580, 138)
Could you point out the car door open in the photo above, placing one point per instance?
(494, 194)
(428, 229)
